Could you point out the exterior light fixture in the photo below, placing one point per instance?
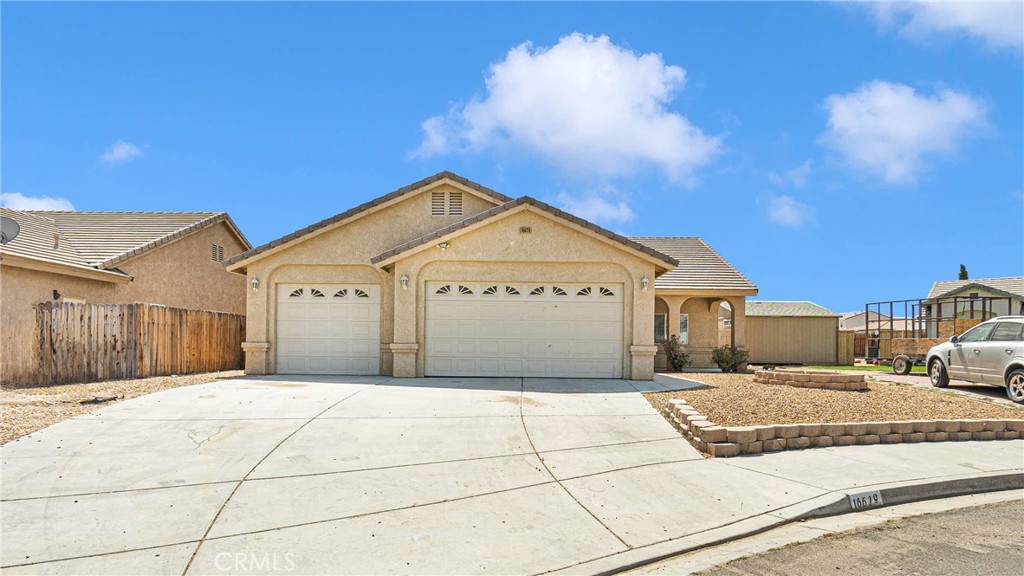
(644, 283)
(405, 281)
(255, 284)
(443, 246)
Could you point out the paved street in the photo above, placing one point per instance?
(985, 540)
(366, 475)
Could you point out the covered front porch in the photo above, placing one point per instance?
(702, 322)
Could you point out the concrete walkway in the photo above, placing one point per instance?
(366, 475)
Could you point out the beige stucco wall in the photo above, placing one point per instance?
(179, 274)
(500, 252)
(341, 255)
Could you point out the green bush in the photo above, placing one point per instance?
(729, 359)
(677, 359)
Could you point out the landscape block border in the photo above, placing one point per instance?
(726, 441)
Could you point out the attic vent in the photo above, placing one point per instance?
(455, 203)
(437, 203)
(216, 252)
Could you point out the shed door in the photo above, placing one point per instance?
(328, 329)
(542, 330)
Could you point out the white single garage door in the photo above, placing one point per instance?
(328, 329)
(507, 329)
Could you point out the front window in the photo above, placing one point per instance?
(977, 334)
(660, 328)
(684, 329)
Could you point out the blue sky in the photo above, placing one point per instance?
(839, 153)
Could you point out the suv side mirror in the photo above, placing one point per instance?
(954, 338)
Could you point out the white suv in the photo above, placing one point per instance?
(990, 353)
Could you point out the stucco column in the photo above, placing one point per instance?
(257, 345)
(739, 321)
(643, 348)
(404, 347)
(674, 303)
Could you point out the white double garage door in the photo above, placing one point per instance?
(556, 330)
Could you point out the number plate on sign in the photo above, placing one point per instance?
(865, 500)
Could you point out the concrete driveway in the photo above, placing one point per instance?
(367, 475)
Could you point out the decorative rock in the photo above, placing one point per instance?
(723, 450)
(868, 439)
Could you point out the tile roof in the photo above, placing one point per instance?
(366, 206)
(100, 240)
(699, 266)
(781, 308)
(519, 202)
(1013, 285)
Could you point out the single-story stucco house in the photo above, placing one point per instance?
(168, 258)
(446, 277)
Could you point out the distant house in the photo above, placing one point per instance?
(169, 258)
(856, 321)
(791, 333)
(980, 298)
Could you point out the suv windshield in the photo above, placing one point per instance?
(977, 334)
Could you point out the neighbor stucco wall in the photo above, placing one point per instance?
(180, 274)
(341, 255)
(502, 252)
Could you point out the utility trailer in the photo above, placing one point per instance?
(905, 340)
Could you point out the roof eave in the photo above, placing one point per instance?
(28, 263)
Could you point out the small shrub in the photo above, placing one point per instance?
(677, 359)
(729, 359)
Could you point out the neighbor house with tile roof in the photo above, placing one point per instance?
(445, 277)
(169, 258)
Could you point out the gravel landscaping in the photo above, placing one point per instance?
(736, 400)
(25, 410)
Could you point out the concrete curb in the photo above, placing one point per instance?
(830, 504)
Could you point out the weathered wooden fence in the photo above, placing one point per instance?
(93, 342)
(844, 348)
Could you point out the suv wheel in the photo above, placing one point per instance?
(937, 374)
(1015, 386)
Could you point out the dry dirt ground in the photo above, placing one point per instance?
(25, 410)
(736, 400)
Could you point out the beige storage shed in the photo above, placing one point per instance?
(791, 333)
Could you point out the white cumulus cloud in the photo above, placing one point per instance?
(585, 104)
(120, 152)
(889, 130)
(595, 208)
(787, 211)
(19, 201)
(796, 177)
(1000, 24)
